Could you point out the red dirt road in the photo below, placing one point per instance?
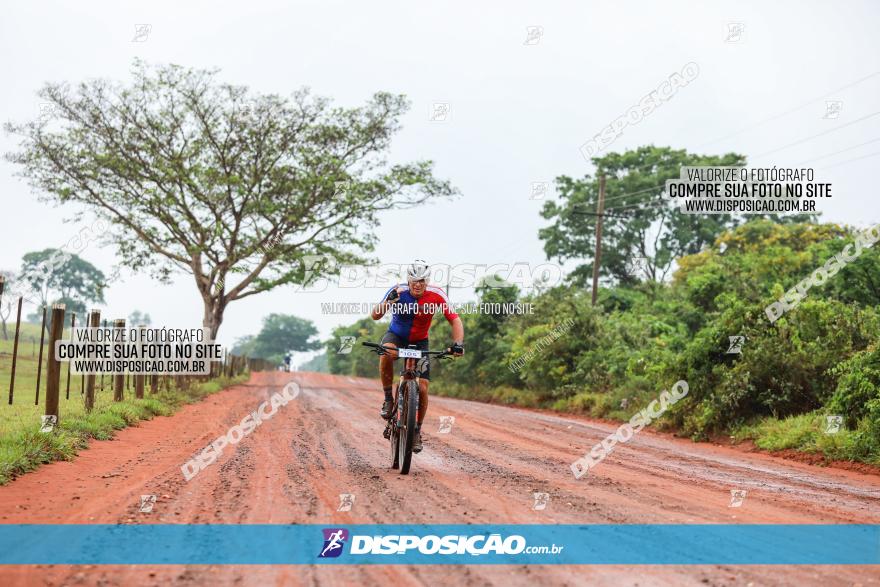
(328, 441)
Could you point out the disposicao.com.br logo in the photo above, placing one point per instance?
(394, 544)
(334, 541)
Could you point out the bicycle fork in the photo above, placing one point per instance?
(402, 389)
(413, 406)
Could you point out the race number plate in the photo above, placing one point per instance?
(410, 353)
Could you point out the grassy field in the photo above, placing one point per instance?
(23, 447)
(26, 375)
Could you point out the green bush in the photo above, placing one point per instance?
(815, 360)
(858, 384)
(784, 368)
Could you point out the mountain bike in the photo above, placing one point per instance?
(401, 426)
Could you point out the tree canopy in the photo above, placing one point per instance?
(638, 221)
(137, 318)
(280, 333)
(232, 187)
(72, 281)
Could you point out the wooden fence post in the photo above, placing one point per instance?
(15, 351)
(103, 325)
(139, 377)
(72, 325)
(53, 367)
(119, 378)
(94, 322)
(40, 360)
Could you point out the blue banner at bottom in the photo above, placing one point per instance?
(601, 544)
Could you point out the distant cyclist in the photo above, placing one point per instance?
(412, 307)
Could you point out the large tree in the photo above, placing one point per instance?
(73, 281)
(137, 318)
(280, 333)
(237, 189)
(639, 221)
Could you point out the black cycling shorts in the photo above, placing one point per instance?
(402, 343)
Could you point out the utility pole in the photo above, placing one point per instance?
(600, 208)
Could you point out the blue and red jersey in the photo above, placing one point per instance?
(411, 317)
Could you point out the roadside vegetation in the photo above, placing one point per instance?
(24, 448)
(820, 359)
(673, 319)
(674, 287)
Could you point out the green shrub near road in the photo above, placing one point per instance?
(820, 358)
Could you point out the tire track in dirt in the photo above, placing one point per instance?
(328, 441)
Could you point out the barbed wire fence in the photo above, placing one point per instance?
(49, 370)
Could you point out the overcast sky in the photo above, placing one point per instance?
(519, 110)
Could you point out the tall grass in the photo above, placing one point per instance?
(23, 447)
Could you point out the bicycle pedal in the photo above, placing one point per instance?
(387, 432)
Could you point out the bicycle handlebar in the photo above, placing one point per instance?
(382, 349)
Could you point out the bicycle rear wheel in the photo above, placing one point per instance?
(408, 432)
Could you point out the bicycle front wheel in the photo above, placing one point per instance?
(408, 432)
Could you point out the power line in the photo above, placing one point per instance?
(650, 189)
(761, 122)
(661, 202)
(795, 109)
(604, 214)
(830, 130)
(853, 159)
(650, 207)
(648, 204)
(841, 151)
(635, 208)
(618, 197)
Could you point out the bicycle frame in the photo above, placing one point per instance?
(395, 427)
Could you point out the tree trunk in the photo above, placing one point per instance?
(213, 316)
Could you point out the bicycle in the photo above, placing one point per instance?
(401, 425)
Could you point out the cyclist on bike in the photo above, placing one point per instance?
(412, 307)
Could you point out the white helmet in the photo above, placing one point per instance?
(418, 270)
